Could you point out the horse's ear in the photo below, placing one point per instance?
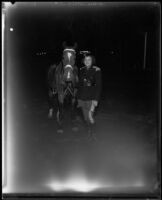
(64, 44)
(75, 45)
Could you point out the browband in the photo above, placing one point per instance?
(70, 50)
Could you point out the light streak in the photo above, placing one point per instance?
(3, 137)
(7, 4)
(79, 182)
(7, 134)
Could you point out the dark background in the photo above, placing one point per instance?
(114, 33)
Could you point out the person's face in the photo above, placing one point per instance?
(88, 61)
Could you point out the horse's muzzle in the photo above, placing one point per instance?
(68, 74)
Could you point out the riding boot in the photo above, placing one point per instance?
(91, 131)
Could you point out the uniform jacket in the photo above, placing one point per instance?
(89, 83)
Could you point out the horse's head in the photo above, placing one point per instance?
(69, 56)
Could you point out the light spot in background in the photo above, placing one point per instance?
(11, 29)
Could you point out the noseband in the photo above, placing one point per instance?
(68, 66)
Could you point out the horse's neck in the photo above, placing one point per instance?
(60, 67)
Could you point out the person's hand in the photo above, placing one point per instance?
(95, 103)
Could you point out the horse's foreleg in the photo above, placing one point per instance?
(50, 103)
(59, 115)
(73, 114)
(73, 110)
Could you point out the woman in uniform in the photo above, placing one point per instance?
(89, 91)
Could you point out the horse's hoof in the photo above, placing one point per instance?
(60, 131)
(75, 129)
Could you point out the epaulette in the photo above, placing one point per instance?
(96, 68)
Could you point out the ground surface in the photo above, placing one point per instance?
(123, 159)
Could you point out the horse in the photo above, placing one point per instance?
(63, 84)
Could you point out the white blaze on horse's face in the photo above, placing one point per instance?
(69, 54)
(68, 61)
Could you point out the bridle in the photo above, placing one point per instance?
(69, 88)
(66, 66)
